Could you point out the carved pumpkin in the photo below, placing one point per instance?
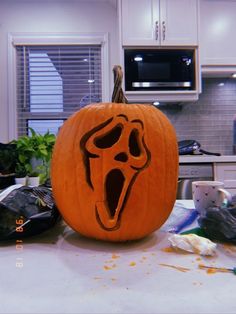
(114, 170)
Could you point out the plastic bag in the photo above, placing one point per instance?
(181, 218)
(220, 223)
(8, 158)
(27, 211)
(7, 164)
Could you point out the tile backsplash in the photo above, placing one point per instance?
(210, 119)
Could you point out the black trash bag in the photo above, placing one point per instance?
(7, 180)
(8, 157)
(220, 224)
(27, 211)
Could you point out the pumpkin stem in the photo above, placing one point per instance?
(118, 94)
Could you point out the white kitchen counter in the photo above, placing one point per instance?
(63, 272)
(206, 158)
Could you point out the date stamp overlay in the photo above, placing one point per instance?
(19, 242)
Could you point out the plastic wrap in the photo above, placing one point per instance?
(193, 243)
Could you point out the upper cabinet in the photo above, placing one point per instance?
(217, 32)
(159, 22)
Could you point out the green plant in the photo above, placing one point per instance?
(34, 152)
(42, 146)
(20, 170)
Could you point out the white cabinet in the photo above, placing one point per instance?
(217, 32)
(226, 172)
(159, 22)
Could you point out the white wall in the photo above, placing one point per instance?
(52, 16)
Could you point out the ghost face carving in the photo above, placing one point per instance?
(114, 153)
(114, 171)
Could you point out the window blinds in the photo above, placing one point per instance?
(53, 82)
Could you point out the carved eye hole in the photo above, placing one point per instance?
(134, 147)
(109, 139)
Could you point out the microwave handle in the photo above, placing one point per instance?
(156, 30)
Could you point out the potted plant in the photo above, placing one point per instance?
(20, 174)
(35, 152)
(42, 153)
(24, 153)
(33, 175)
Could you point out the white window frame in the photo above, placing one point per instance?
(15, 39)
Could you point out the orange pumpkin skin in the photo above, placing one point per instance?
(114, 170)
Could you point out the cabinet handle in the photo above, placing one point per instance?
(163, 30)
(156, 30)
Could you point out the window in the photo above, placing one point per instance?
(53, 81)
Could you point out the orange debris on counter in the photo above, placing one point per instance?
(180, 268)
(115, 256)
(213, 270)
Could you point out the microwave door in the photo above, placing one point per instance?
(163, 69)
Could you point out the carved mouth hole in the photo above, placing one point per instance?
(110, 138)
(114, 185)
(134, 147)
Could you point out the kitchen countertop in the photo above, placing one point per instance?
(60, 271)
(206, 158)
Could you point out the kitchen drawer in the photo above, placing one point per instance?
(226, 172)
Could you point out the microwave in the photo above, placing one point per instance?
(159, 69)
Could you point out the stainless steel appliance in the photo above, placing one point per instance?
(159, 69)
(192, 172)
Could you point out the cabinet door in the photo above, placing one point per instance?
(217, 32)
(140, 22)
(159, 22)
(178, 22)
(226, 172)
